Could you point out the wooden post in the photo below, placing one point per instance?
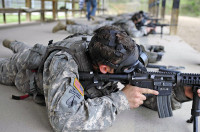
(163, 9)
(149, 9)
(157, 8)
(151, 6)
(19, 16)
(66, 10)
(66, 13)
(103, 4)
(54, 4)
(42, 10)
(98, 6)
(28, 5)
(174, 17)
(4, 14)
(73, 8)
(154, 7)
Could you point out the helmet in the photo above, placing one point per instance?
(113, 47)
(137, 16)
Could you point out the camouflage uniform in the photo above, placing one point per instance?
(67, 108)
(86, 29)
(130, 28)
(70, 106)
(16, 70)
(122, 22)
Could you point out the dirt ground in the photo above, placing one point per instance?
(189, 31)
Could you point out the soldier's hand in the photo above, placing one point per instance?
(148, 29)
(198, 91)
(147, 22)
(135, 95)
(189, 93)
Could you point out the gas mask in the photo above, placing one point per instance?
(131, 62)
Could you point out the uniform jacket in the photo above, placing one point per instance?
(70, 105)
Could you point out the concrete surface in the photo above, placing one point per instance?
(25, 115)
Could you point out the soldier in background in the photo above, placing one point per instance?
(128, 25)
(125, 22)
(91, 9)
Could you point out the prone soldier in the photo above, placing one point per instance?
(128, 24)
(53, 71)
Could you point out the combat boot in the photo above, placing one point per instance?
(6, 43)
(156, 48)
(58, 27)
(70, 22)
(92, 17)
(153, 57)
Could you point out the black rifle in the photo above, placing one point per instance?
(163, 68)
(154, 19)
(158, 25)
(153, 25)
(163, 82)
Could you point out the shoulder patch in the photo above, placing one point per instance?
(78, 86)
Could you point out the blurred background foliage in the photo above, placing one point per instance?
(187, 7)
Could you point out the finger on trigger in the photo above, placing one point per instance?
(148, 91)
(198, 91)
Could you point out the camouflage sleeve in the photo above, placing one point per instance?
(67, 108)
(17, 46)
(130, 28)
(84, 29)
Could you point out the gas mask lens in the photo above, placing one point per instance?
(130, 68)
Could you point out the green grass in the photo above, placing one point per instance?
(190, 7)
(187, 7)
(126, 7)
(14, 18)
(11, 18)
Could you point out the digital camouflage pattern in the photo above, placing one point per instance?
(13, 70)
(86, 29)
(130, 28)
(67, 109)
(123, 21)
(17, 70)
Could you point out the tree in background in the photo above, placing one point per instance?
(125, 6)
(190, 7)
(187, 7)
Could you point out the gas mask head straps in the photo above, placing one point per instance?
(130, 61)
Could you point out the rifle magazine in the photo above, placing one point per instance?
(164, 106)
